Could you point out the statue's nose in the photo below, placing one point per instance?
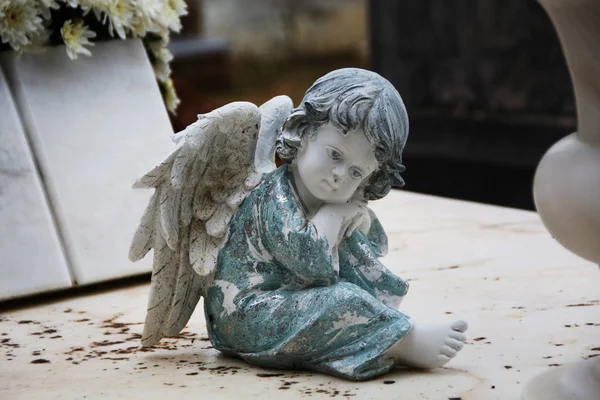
(338, 172)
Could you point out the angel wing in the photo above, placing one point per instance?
(216, 163)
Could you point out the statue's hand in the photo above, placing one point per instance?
(361, 221)
(343, 219)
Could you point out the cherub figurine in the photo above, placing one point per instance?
(287, 259)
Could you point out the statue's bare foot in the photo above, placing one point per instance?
(429, 345)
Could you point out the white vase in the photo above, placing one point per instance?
(567, 182)
(92, 124)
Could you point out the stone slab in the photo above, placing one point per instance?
(31, 258)
(96, 124)
(531, 305)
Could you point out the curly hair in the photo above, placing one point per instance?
(351, 99)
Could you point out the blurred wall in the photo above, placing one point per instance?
(272, 30)
(487, 91)
(464, 57)
(231, 50)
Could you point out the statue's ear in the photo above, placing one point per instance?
(292, 127)
(290, 136)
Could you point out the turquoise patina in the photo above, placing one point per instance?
(279, 297)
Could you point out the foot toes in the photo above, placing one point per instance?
(443, 360)
(454, 344)
(458, 336)
(448, 351)
(460, 326)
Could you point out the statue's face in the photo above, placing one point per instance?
(332, 165)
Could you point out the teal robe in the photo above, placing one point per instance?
(280, 299)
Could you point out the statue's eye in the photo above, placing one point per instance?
(334, 154)
(355, 173)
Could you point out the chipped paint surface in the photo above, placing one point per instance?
(390, 300)
(349, 318)
(260, 253)
(281, 298)
(229, 291)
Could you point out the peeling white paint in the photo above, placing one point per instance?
(349, 370)
(349, 318)
(352, 259)
(286, 231)
(281, 198)
(390, 300)
(255, 279)
(371, 272)
(229, 292)
(335, 260)
(258, 254)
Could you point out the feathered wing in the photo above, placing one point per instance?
(273, 114)
(198, 188)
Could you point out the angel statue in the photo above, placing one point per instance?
(287, 259)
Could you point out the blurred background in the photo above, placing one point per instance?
(485, 82)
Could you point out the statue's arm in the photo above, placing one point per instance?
(377, 236)
(294, 243)
(359, 264)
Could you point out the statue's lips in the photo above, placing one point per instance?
(331, 185)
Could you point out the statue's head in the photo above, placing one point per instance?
(352, 100)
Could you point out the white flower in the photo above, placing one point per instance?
(168, 18)
(170, 96)
(148, 9)
(145, 14)
(97, 6)
(20, 23)
(76, 36)
(88, 5)
(119, 14)
(46, 5)
(162, 70)
(159, 51)
(160, 58)
(37, 42)
(53, 4)
(179, 6)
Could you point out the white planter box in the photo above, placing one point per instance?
(95, 124)
(31, 258)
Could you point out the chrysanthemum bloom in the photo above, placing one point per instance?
(20, 23)
(76, 36)
(120, 16)
(170, 95)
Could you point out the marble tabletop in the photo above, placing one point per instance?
(530, 303)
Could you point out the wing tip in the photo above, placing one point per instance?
(134, 255)
(139, 185)
(173, 330)
(281, 100)
(150, 341)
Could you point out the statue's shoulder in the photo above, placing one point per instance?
(273, 183)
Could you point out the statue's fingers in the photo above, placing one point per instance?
(344, 228)
(365, 226)
(355, 223)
